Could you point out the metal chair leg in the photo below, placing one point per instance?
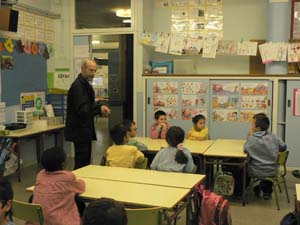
(286, 191)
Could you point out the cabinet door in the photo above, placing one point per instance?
(292, 126)
(233, 104)
(180, 98)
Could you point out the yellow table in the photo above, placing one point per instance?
(195, 147)
(138, 194)
(221, 151)
(152, 177)
(38, 135)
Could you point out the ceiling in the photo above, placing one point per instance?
(99, 13)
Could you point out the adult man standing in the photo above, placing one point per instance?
(81, 109)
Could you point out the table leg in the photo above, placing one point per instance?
(188, 212)
(17, 150)
(244, 183)
(39, 148)
(58, 138)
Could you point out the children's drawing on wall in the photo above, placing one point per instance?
(294, 52)
(189, 113)
(165, 100)
(196, 12)
(225, 88)
(163, 42)
(7, 62)
(247, 48)
(225, 102)
(147, 38)
(189, 100)
(227, 47)
(178, 3)
(177, 45)
(194, 43)
(165, 87)
(254, 88)
(209, 2)
(254, 102)
(202, 101)
(225, 115)
(172, 113)
(247, 115)
(214, 10)
(193, 87)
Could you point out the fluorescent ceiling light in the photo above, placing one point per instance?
(127, 21)
(95, 42)
(123, 13)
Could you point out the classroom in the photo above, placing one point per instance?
(158, 109)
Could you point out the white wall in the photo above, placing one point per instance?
(243, 20)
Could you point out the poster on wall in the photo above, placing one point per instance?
(247, 115)
(7, 62)
(296, 110)
(225, 88)
(165, 100)
(221, 115)
(193, 87)
(62, 79)
(165, 87)
(189, 113)
(254, 102)
(225, 102)
(34, 100)
(256, 88)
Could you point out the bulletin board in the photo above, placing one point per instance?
(29, 74)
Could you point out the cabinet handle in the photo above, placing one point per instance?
(148, 100)
(269, 102)
(289, 103)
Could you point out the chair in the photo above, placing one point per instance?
(145, 216)
(142, 165)
(279, 177)
(28, 212)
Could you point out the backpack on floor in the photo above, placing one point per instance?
(214, 209)
(289, 219)
(224, 183)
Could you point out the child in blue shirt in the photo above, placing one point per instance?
(262, 147)
(174, 158)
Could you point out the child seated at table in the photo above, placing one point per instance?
(262, 147)
(174, 158)
(132, 133)
(120, 154)
(55, 189)
(159, 129)
(6, 195)
(199, 131)
(104, 211)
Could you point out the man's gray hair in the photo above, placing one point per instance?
(85, 62)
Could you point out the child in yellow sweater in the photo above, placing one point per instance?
(199, 131)
(120, 154)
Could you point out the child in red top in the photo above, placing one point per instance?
(159, 129)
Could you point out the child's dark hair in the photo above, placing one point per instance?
(117, 134)
(159, 113)
(128, 124)
(175, 135)
(104, 211)
(262, 121)
(6, 194)
(53, 159)
(197, 118)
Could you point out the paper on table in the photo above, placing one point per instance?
(210, 46)
(177, 44)
(163, 42)
(247, 48)
(294, 52)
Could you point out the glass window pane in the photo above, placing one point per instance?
(102, 13)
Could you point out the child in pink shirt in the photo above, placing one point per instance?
(159, 129)
(55, 190)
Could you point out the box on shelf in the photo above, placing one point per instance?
(57, 120)
(162, 67)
